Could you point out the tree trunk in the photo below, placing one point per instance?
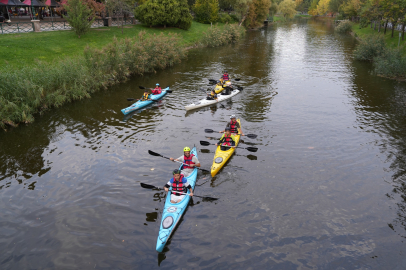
(393, 28)
(371, 23)
(386, 25)
(379, 28)
(374, 25)
(403, 31)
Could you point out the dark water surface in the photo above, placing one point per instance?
(326, 190)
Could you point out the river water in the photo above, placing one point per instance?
(326, 189)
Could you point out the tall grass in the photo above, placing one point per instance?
(219, 36)
(34, 89)
(369, 48)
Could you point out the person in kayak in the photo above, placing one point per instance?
(227, 140)
(234, 126)
(179, 184)
(212, 95)
(228, 88)
(157, 90)
(145, 96)
(189, 161)
(225, 76)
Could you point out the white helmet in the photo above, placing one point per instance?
(232, 116)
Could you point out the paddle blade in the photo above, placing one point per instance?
(208, 130)
(169, 91)
(252, 136)
(141, 87)
(240, 88)
(147, 186)
(154, 154)
(130, 99)
(209, 199)
(204, 170)
(252, 149)
(204, 143)
(237, 79)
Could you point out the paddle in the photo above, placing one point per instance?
(154, 187)
(251, 149)
(252, 136)
(237, 79)
(159, 155)
(142, 87)
(131, 99)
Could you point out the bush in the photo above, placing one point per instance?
(74, 79)
(225, 18)
(218, 36)
(235, 17)
(369, 48)
(78, 14)
(391, 63)
(206, 11)
(343, 27)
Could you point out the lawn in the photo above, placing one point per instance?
(390, 42)
(26, 48)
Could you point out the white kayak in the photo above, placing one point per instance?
(205, 102)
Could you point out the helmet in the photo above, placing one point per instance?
(146, 90)
(157, 84)
(227, 128)
(225, 71)
(176, 171)
(186, 149)
(232, 116)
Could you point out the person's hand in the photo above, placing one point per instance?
(220, 131)
(171, 159)
(233, 146)
(191, 194)
(216, 144)
(166, 189)
(242, 134)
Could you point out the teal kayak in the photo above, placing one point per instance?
(173, 212)
(140, 104)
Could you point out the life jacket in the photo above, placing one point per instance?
(227, 140)
(145, 97)
(177, 186)
(188, 160)
(225, 77)
(157, 91)
(233, 127)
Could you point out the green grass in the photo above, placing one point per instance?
(389, 41)
(24, 49)
(278, 18)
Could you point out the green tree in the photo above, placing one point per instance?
(79, 16)
(185, 18)
(257, 13)
(206, 10)
(334, 5)
(287, 8)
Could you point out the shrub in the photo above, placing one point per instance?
(218, 36)
(206, 11)
(343, 27)
(369, 48)
(391, 63)
(225, 18)
(235, 17)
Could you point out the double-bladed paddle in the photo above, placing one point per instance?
(154, 187)
(251, 149)
(142, 87)
(237, 79)
(251, 136)
(159, 155)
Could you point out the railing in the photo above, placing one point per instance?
(18, 27)
(57, 25)
(97, 23)
(118, 21)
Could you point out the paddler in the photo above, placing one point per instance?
(146, 96)
(234, 126)
(225, 76)
(227, 88)
(227, 140)
(189, 161)
(179, 184)
(212, 95)
(157, 90)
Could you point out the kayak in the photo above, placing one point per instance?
(140, 104)
(205, 102)
(219, 87)
(221, 157)
(173, 212)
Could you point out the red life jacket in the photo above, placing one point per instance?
(188, 160)
(233, 127)
(227, 140)
(177, 186)
(156, 91)
(225, 77)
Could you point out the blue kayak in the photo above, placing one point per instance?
(140, 104)
(173, 211)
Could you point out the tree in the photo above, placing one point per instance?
(80, 16)
(322, 7)
(313, 7)
(257, 12)
(120, 8)
(165, 12)
(334, 5)
(242, 7)
(206, 10)
(287, 8)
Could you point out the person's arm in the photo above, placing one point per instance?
(177, 159)
(221, 140)
(239, 129)
(167, 186)
(187, 185)
(196, 162)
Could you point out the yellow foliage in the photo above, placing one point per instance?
(322, 7)
(298, 2)
(287, 8)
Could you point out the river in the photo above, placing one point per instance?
(326, 189)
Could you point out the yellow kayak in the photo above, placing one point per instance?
(221, 157)
(219, 87)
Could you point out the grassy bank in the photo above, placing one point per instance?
(19, 50)
(89, 66)
(389, 41)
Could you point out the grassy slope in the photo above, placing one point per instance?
(390, 42)
(24, 49)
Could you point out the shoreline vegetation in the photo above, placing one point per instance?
(55, 74)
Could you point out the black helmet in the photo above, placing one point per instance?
(227, 128)
(225, 71)
(176, 171)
